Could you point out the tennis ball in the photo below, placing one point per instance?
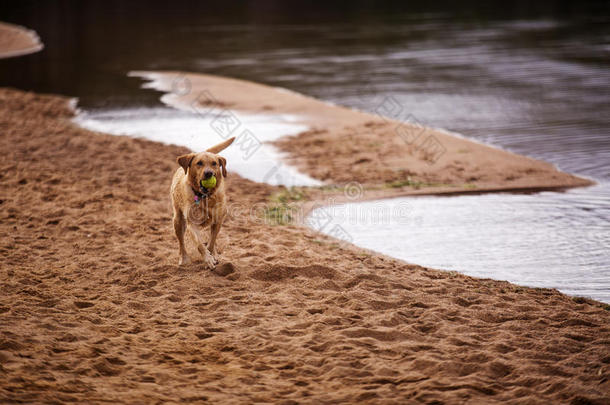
(209, 183)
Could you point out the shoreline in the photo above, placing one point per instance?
(95, 307)
(461, 164)
(185, 91)
(16, 40)
(323, 197)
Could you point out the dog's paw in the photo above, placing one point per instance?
(184, 260)
(209, 261)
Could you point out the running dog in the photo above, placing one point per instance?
(197, 207)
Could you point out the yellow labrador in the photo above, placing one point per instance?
(196, 207)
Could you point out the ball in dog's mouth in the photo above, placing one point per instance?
(208, 183)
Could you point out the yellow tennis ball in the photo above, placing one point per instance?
(209, 183)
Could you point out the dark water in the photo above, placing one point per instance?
(531, 78)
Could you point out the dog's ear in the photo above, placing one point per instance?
(221, 146)
(223, 164)
(185, 161)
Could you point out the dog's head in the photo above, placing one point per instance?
(203, 165)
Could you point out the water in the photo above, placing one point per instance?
(533, 78)
(557, 240)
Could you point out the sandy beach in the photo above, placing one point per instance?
(16, 41)
(95, 309)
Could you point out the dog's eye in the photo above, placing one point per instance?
(213, 163)
(200, 163)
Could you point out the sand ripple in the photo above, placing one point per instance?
(94, 307)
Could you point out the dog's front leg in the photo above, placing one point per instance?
(208, 259)
(180, 228)
(214, 229)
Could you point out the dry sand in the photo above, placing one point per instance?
(16, 41)
(95, 309)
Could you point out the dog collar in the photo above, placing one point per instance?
(200, 195)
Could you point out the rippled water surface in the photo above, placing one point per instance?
(557, 240)
(533, 78)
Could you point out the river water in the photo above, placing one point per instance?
(533, 79)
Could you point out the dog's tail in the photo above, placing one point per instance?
(221, 146)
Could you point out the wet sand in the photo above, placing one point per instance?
(16, 41)
(94, 307)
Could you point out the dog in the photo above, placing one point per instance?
(196, 207)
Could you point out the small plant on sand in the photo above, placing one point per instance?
(280, 211)
(278, 214)
(407, 182)
(330, 188)
(416, 184)
(290, 194)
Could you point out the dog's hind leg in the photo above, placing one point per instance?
(180, 228)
